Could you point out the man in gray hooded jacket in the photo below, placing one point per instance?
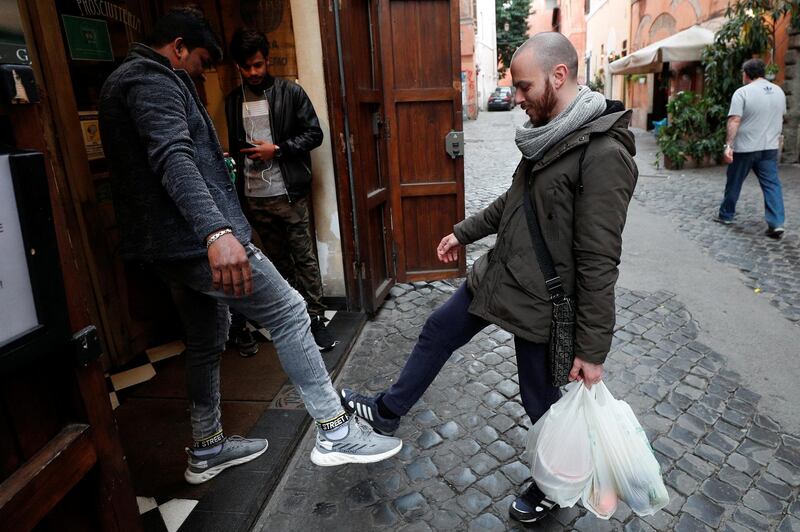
(179, 216)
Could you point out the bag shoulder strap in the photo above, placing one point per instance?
(551, 279)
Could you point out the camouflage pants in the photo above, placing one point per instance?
(285, 233)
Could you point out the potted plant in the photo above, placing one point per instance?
(771, 72)
(688, 138)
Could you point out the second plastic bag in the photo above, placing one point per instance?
(622, 447)
(559, 451)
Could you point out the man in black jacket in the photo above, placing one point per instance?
(272, 127)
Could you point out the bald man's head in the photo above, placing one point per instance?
(545, 70)
(548, 50)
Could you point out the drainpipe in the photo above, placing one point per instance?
(349, 153)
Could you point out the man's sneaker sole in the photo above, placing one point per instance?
(205, 476)
(335, 458)
(247, 352)
(775, 234)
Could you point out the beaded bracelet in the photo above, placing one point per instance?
(216, 236)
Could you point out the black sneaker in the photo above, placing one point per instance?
(721, 220)
(367, 409)
(531, 506)
(322, 337)
(775, 232)
(245, 342)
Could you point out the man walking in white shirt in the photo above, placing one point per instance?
(754, 129)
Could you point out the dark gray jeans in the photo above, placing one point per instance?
(274, 305)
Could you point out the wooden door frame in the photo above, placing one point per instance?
(56, 460)
(351, 256)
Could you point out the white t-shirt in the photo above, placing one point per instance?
(262, 179)
(761, 105)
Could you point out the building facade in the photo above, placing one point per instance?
(485, 51)
(607, 26)
(469, 83)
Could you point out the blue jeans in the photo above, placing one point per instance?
(274, 305)
(765, 165)
(450, 327)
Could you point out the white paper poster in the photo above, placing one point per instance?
(17, 309)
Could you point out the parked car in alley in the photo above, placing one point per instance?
(502, 98)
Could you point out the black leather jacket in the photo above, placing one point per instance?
(295, 129)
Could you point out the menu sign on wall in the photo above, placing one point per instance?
(17, 308)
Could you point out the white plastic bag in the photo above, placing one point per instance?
(622, 447)
(558, 448)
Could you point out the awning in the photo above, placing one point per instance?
(686, 45)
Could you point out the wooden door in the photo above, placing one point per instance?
(394, 90)
(367, 144)
(420, 53)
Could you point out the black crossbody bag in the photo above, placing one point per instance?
(561, 350)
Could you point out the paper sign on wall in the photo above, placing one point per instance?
(17, 307)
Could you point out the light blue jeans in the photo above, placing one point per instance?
(765, 165)
(274, 305)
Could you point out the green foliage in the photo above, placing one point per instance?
(511, 18)
(599, 83)
(749, 30)
(690, 132)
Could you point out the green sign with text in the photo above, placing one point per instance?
(88, 39)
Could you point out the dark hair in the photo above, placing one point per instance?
(754, 68)
(189, 24)
(246, 42)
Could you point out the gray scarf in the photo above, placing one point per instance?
(533, 142)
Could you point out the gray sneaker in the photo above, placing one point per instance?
(235, 451)
(361, 446)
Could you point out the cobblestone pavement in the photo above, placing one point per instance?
(728, 466)
(691, 199)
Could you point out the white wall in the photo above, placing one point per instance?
(486, 50)
(308, 43)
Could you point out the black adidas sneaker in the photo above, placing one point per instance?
(367, 409)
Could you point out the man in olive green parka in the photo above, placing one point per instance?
(577, 155)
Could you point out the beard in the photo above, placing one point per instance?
(542, 108)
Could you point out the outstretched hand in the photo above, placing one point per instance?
(586, 372)
(447, 251)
